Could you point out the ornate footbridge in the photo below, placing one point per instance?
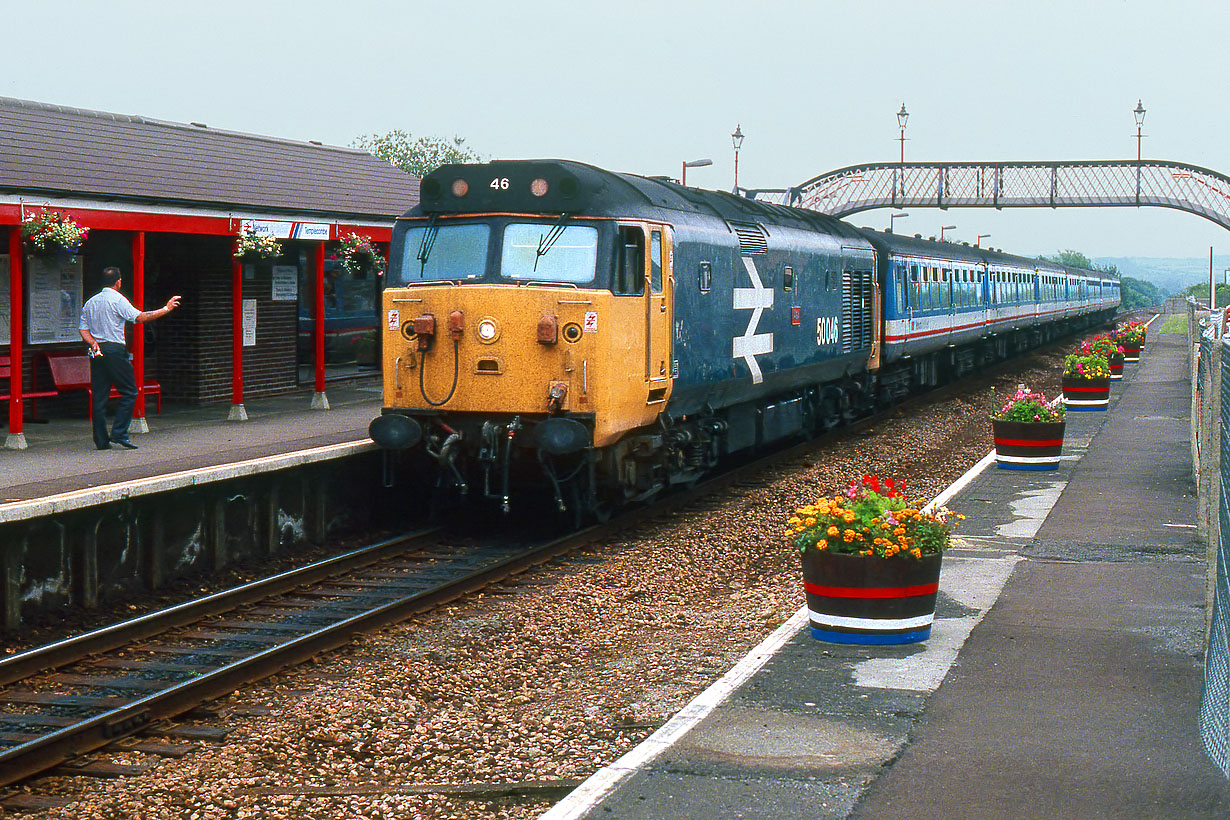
(1012, 185)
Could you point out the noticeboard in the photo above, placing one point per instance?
(53, 288)
(285, 283)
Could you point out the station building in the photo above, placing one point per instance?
(166, 202)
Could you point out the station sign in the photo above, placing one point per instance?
(286, 230)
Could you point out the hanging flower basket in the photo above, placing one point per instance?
(257, 248)
(871, 563)
(1028, 432)
(358, 256)
(50, 232)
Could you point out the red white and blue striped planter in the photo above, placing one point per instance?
(870, 600)
(1021, 445)
(1086, 394)
(1131, 351)
(1115, 360)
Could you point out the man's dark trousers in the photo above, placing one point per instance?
(112, 368)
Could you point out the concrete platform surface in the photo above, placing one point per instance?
(60, 456)
(1062, 679)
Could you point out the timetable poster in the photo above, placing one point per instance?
(54, 287)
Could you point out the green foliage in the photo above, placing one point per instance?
(1075, 259)
(416, 155)
(1136, 294)
(1028, 407)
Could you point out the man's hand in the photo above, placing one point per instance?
(172, 303)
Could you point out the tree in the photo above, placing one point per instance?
(1135, 294)
(416, 155)
(1072, 258)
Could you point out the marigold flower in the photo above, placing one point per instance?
(811, 522)
(832, 530)
(916, 552)
(822, 544)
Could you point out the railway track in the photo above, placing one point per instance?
(87, 692)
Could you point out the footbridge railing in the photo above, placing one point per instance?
(1012, 185)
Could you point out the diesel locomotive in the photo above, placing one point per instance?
(605, 335)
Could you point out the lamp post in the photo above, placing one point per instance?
(696, 163)
(736, 139)
(946, 228)
(902, 116)
(891, 217)
(1139, 113)
(981, 236)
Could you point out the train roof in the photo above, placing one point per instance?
(557, 186)
(900, 245)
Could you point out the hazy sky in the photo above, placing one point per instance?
(641, 85)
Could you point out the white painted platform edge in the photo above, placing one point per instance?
(90, 496)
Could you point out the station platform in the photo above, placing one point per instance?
(1062, 679)
(61, 458)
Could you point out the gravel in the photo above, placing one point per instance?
(545, 679)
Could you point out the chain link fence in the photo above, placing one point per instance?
(1210, 368)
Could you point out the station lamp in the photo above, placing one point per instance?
(1139, 113)
(696, 163)
(736, 139)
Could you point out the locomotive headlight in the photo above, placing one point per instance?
(539, 187)
(460, 187)
(488, 332)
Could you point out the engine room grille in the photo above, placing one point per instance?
(752, 238)
(855, 310)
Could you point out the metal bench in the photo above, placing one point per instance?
(71, 371)
(6, 373)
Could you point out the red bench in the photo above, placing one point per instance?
(71, 371)
(6, 375)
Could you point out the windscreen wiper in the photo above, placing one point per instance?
(545, 242)
(429, 242)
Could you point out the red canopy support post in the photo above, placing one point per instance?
(16, 438)
(139, 422)
(238, 412)
(319, 400)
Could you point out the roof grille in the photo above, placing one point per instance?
(752, 238)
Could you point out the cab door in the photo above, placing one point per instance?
(659, 322)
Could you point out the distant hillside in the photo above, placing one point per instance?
(1171, 275)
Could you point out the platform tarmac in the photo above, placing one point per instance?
(60, 456)
(1062, 679)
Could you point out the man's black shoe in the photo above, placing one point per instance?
(106, 446)
(125, 443)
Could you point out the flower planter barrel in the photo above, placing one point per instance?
(1021, 445)
(1086, 394)
(870, 600)
(1115, 360)
(1131, 351)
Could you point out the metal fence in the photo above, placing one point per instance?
(1210, 367)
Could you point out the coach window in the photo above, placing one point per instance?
(945, 294)
(706, 276)
(630, 270)
(655, 261)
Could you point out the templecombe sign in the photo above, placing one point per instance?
(286, 230)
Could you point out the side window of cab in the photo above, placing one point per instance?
(630, 262)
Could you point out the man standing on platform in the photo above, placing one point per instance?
(102, 328)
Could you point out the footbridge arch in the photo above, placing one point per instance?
(1069, 184)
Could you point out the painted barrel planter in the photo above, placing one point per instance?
(870, 600)
(1131, 351)
(1115, 360)
(1021, 445)
(1086, 394)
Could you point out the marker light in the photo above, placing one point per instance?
(539, 187)
(486, 330)
(460, 187)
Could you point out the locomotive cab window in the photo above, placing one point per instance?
(539, 252)
(630, 266)
(705, 277)
(788, 278)
(655, 261)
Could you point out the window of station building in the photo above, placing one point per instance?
(788, 278)
(705, 277)
(630, 267)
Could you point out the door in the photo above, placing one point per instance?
(658, 313)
